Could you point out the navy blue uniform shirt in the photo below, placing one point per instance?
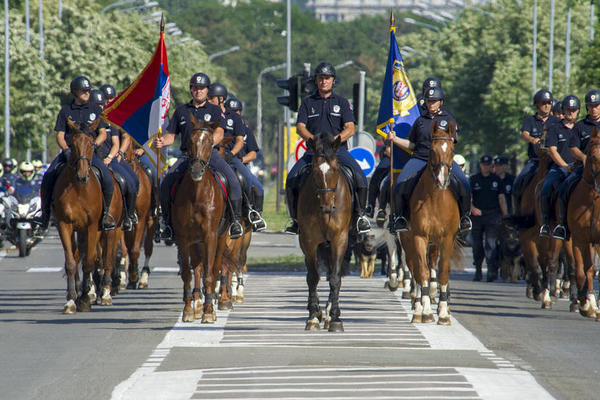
(560, 136)
(180, 122)
(535, 127)
(420, 133)
(85, 113)
(325, 115)
(485, 190)
(506, 186)
(233, 125)
(582, 131)
(249, 142)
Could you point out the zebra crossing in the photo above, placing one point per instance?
(260, 350)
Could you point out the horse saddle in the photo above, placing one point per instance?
(120, 180)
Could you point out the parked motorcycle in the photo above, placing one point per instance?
(17, 211)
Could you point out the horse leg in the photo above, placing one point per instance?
(584, 254)
(148, 244)
(335, 282)
(123, 264)
(186, 277)
(211, 260)
(530, 254)
(552, 272)
(434, 252)
(66, 236)
(447, 250)
(315, 315)
(196, 262)
(136, 249)
(89, 240)
(394, 280)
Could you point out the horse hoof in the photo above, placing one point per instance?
(443, 321)
(573, 307)
(132, 285)
(142, 285)
(336, 326)
(416, 319)
(226, 305)
(326, 323)
(312, 326)
(188, 316)
(106, 301)
(70, 307)
(143, 280)
(209, 318)
(529, 293)
(589, 313)
(547, 305)
(84, 306)
(427, 318)
(433, 300)
(405, 294)
(238, 299)
(392, 286)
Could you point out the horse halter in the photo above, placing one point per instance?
(319, 190)
(84, 158)
(203, 163)
(441, 163)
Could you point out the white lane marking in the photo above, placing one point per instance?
(44, 269)
(165, 269)
(504, 384)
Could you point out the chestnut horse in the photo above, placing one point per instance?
(583, 217)
(197, 211)
(324, 229)
(77, 207)
(431, 231)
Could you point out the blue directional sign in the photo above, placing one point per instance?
(365, 158)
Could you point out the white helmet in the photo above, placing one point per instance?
(460, 160)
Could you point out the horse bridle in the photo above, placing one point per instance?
(203, 163)
(319, 190)
(84, 158)
(441, 163)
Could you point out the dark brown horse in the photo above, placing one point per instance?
(324, 215)
(197, 211)
(431, 231)
(77, 207)
(583, 218)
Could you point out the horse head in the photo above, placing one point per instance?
(201, 144)
(83, 148)
(442, 151)
(325, 169)
(592, 161)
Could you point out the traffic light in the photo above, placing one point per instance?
(355, 98)
(292, 100)
(307, 85)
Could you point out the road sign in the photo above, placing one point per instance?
(365, 159)
(300, 149)
(367, 141)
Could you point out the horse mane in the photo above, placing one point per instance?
(324, 145)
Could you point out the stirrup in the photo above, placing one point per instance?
(367, 225)
(545, 231)
(291, 228)
(260, 225)
(134, 218)
(254, 216)
(233, 233)
(400, 224)
(465, 224)
(108, 222)
(127, 225)
(381, 216)
(166, 233)
(560, 232)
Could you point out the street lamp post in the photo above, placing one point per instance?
(568, 46)
(551, 45)
(534, 55)
(259, 100)
(6, 82)
(42, 77)
(223, 52)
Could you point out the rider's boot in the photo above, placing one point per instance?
(166, 230)
(43, 221)
(560, 231)
(362, 224)
(108, 222)
(292, 204)
(464, 206)
(400, 223)
(545, 210)
(235, 229)
(370, 211)
(255, 215)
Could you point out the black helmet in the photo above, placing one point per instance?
(542, 96)
(592, 97)
(556, 106)
(108, 91)
(431, 82)
(80, 83)
(434, 93)
(234, 104)
(571, 102)
(98, 97)
(199, 79)
(8, 162)
(325, 68)
(217, 90)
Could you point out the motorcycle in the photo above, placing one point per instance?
(17, 211)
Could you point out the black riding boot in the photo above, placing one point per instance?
(545, 210)
(235, 229)
(362, 223)
(166, 233)
(399, 223)
(260, 224)
(292, 203)
(464, 207)
(46, 188)
(130, 217)
(108, 222)
(560, 231)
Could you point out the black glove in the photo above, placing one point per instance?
(228, 157)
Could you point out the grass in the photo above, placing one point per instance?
(276, 221)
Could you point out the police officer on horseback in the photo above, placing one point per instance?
(419, 141)
(558, 139)
(326, 112)
(531, 132)
(180, 123)
(580, 138)
(83, 111)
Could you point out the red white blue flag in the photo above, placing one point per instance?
(141, 109)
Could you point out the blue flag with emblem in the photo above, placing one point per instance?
(398, 108)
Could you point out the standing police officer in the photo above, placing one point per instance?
(326, 112)
(531, 132)
(181, 124)
(506, 179)
(83, 111)
(558, 139)
(487, 210)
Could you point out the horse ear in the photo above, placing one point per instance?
(73, 125)
(214, 125)
(451, 127)
(193, 119)
(595, 132)
(310, 144)
(434, 127)
(94, 125)
(336, 143)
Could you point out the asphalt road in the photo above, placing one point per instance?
(500, 345)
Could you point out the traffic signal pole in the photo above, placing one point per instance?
(361, 107)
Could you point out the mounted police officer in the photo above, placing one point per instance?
(531, 132)
(180, 123)
(326, 112)
(580, 138)
(428, 83)
(558, 139)
(108, 91)
(249, 153)
(112, 157)
(375, 185)
(419, 141)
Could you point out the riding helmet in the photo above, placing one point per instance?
(26, 167)
(8, 163)
(37, 164)
(325, 68)
(556, 106)
(217, 90)
(199, 79)
(571, 102)
(542, 96)
(431, 82)
(234, 104)
(109, 91)
(434, 93)
(98, 97)
(592, 97)
(80, 83)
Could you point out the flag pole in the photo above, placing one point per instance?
(158, 153)
(391, 143)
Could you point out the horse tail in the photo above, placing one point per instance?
(230, 262)
(458, 259)
(522, 221)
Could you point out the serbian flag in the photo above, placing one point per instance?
(398, 108)
(141, 109)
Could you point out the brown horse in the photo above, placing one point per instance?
(433, 232)
(77, 207)
(324, 229)
(583, 218)
(197, 211)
